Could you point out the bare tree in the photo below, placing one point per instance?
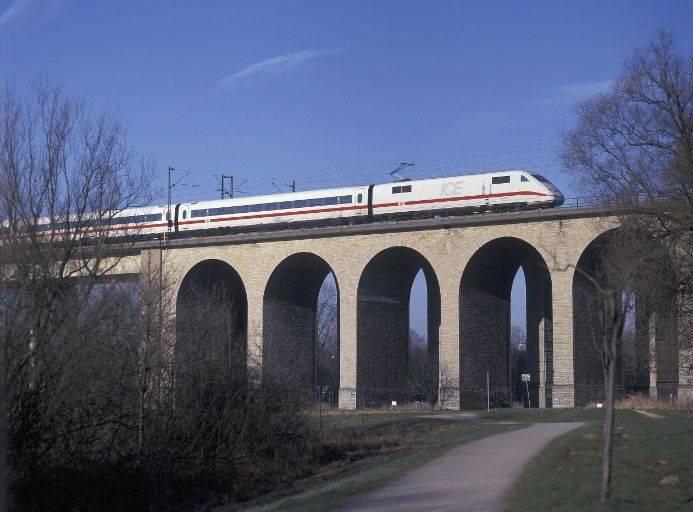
(422, 375)
(63, 165)
(518, 361)
(327, 339)
(632, 147)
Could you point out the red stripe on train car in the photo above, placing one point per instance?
(480, 196)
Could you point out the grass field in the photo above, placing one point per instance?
(564, 476)
(653, 465)
(419, 440)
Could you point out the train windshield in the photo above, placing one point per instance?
(541, 178)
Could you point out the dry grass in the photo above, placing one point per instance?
(332, 410)
(647, 403)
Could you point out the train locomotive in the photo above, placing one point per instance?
(437, 196)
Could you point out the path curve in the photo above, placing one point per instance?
(474, 477)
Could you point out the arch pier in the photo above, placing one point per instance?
(648, 361)
(290, 306)
(383, 335)
(485, 322)
(211, 326)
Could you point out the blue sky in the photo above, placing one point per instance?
(331, 93)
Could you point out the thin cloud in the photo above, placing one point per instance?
(274, 66)
(14, 10)
(40, 11)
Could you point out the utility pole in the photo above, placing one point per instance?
(169, 217)
(169, 220)
(293, 185)
(228, 192)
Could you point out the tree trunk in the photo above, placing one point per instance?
(4, 437)
(607, 455)
(4, 428)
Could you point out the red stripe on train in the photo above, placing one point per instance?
(327, 210)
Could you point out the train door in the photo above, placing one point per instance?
(369, 199)
(499, 186)
(486, 189)
(361, 198)
(183, 215)
(175, 218)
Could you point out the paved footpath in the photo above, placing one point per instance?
(473, 477)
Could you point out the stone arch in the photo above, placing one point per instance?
(290, 305)
(654, 365)
(485, 290)
(211, 327)
(383, 324)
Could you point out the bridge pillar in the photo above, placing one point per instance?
(563, 388)
(645, 350)
(449, 346)
(685, 353)
(348, 328)
(539, 335)
(255, 333)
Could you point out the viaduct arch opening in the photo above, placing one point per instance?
(648, 354)
(383, 329)
(485, 323)
(300, 327)
(211, 330)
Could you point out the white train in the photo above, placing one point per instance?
(490, 191)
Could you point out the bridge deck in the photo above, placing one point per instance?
(441, 222)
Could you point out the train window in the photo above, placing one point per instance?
(300, 203)
(257, 207)
(184, 213)
(198, 213)
(523, 178)
(497, 180)
(242, 209)
(406, 188)
(331, 200)
(540, 178)
(396, 190)
(286, 205)
(317, 201)
(360, 198)
(344, 199)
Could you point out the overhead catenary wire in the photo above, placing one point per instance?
(342, 177)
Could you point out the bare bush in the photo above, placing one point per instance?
(104, 411)
(75, 170)
(422, 378)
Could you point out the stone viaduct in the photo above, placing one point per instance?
(469, 264)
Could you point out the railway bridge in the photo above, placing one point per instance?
(273, 279)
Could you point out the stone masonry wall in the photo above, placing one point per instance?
(559, 242)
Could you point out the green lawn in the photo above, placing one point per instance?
(336, 486)
(565, 476)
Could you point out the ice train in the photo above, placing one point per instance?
(454, 194)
